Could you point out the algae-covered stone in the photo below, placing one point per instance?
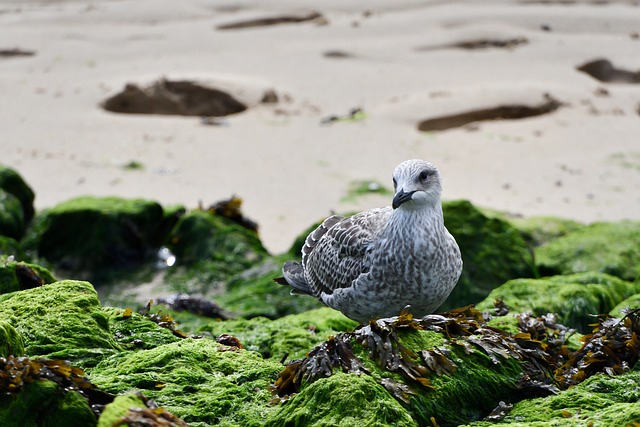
(200, 381)
(493, 252)
(575, 298)
(632, 302)
(10, 247)
(88, 233)
(62, 320)
(119, 408)
(253, 293)
(45, 404)
(12, 183)
(539, 230)
(292, 335)
(17, 276)
(601, 400)
(343, 400)
(612, 248)
(12, 222)
(133, 331)
(11, 343)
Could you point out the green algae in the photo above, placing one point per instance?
(62, 320)
(575, 298)
(612, 248)
(17, 276)
(11, 342)
(91, 233)
(632, 302)
(493, 252)
(292, 335)
(598, 401)
(199, 380)
(45, 404)
(10, 247)
(342, 400)
(539, 230)
(119, 408)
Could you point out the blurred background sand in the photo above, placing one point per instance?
(399, 62)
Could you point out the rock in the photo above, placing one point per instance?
(201, 381)
(291, 335)
(612, 248)
(134, 332)
(539, 230)
(17, 276)
(91, 233)
(575, 298)
(120, 406)
(12, 183)
(10, 247)
(493, 252)
(62, 320)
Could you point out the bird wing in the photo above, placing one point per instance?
(339, 252)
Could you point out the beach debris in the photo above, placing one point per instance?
(316, 17)
(10, 53)
(174, 97)
(355, 115)
(480, 43)
(501, 112)
(230, 209)
(193, 304)
(163, 320)
(605, 71)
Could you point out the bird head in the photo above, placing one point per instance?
(416, 184)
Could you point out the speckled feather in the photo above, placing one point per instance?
(376, 262)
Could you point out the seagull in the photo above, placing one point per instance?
(378, 262)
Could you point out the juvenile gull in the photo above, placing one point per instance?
(377, 262)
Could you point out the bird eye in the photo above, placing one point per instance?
(424, 175)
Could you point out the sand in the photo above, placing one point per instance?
(399, 62)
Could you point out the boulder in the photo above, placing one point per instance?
(12, 183)
(17, 276)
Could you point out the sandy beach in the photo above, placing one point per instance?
(572, 148)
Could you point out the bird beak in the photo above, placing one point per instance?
(401, 197)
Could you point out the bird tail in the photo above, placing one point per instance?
(294, 277)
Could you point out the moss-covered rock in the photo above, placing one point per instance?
(492, 251)
(133, 331)
(612, 248)
(292, 335)
(599, 401)
(10, 247)
(12, 183)
(343, 400)
(12, 222)
(253, 293)
(539, 230)
(575, 298)
(632, 302)
(62, 320)
(88, 233)
(209, 249)
(120, 406)
(17, 276)
(201, 381)
(11, 343)
(45, 404)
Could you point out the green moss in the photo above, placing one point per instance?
(342, 400)
(200, 381)
(599, 401)
(11, 342)
(17, 276)
(44, 404)
(62, 320)
(361, 188)
(119, 408)
(539, 230)
(294, 335)
(612, 248)
(492, 251)
(575, 298)
(12, 182)
(10, 247)
(137, 332)
(89, 233)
